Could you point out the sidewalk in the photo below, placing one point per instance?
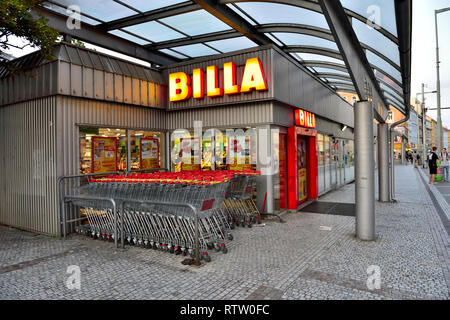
(293, 260)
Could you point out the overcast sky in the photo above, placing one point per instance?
(423, 54)
(423, 67)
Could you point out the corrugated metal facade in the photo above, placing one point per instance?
(28, 165)
(295, 87)
(240, 115)
(84, 73)
(73, 112)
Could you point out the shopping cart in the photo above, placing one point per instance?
(163, 227)
(239, 203)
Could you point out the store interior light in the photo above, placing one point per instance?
(343, 128)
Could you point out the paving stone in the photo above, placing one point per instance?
(293, 261)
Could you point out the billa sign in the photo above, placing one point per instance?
(305, 119)
(181, 87)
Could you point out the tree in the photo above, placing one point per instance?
(16, 19)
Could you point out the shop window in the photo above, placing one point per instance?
(102, 150)
(105, 149)
(327, 162)
(240, 156)
(145, 149)
(320, 164)
(349, 161)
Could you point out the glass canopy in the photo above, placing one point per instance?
(182, 29)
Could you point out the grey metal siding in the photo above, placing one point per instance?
(239, 59)
(72, 112)
(295, 87)
(240, 115)
(27, 165)
(35, 83)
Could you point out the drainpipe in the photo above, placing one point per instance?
(391, 129)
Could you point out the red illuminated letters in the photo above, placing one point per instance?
(305, 119)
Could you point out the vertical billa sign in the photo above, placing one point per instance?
(182, 88)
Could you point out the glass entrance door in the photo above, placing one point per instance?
(302, 168)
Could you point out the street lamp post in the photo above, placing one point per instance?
(424, 121)
(438, 80)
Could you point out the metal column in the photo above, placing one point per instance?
(265, 196)
(392, 160)
(364, 171)
(383, 162)
(403, 151)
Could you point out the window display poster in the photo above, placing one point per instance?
(301, 169)
(239, 153)
(104, 154)
(190, 154)
(149, 153)
(283, 174)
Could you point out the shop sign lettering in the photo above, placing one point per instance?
(181, 87)
(305, 119)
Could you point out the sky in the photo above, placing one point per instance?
(423, 66)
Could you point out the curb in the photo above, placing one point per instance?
(439, 198)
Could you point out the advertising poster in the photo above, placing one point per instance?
(190, 154)
(149, 152)
(104, 154)
(283, 174)
(239, 153)
(301, 170)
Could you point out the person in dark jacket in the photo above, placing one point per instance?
(432, 164)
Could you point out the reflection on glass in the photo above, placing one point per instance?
(128, 37)
(381, 12)
(376, 40)
(87, 133)
(387, 68)
(280, 13)
(318, 57)
(304, 40)
(194, 23)
(154, 31)
(233, 44)
(145, 149)
(147, 5)
(195, 50)
(105, 10)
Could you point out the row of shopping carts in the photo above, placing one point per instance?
(223, 199)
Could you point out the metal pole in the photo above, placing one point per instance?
(115, 222)
(196, 242)
(364, 171)
(403, 151)
(438, 80)
(392, 138)
(383, 162)
(424, 122)
(438, 86)
(122, 237)
(128, 151)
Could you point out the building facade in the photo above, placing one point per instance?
(87, 112)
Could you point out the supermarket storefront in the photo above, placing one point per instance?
(257, 109)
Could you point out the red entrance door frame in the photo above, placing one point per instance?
(311, 164)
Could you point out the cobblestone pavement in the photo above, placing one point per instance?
(293, 260)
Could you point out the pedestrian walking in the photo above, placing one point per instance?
(432, 164)
(445, 160)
